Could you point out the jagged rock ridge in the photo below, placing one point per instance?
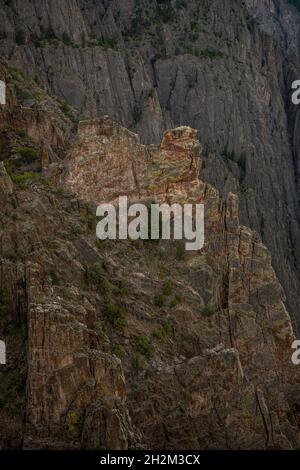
(116, 345)
(132, 344)
(224, 68)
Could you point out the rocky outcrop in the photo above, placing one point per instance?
(224, 69)
(132, 344)
(226, 384)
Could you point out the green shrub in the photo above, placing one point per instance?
(180, 251)
(65, 108)
(61, 192)
(180, 4)
(54, 279)
(159, 300)
(76, 231)
(47, 37)
(194, 35)
(115, 315)
(227, 155)
(143, 346)
(66, 39)
(242, 162)
(194, 25)
(117, 351)
(167, 288)
(73, 424)
(21, 133)
(28, 153)
(177, 300)
(17, 75)
(49, 34)
(151, 93)
(137, 114)
(187, 395)
(165, 13)
(158, 333)
(137, 361)
(210, 53)
(20, 37)
(27, 177)
(107, 43)
(209, 310)
(168, 328)
(96, 275)
(25, 94)
(122, 288)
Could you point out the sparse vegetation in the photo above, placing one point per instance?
(158, 333)
(96, 276)
(76, 231)
(115, 315)
(151, 93)
(66, 109)
(54, 279)
(61, 192)
(26, 178)
(165, 12)
(159, 300)
(177, 300)
(180, 4)
(167, 288)
(107, 43)
(162, 331)
(210, 53)
(228, 155)
(137, 114)
(48, 37)
(73, 424)
(20, 37)
(190, 48)
(180, 251)
(143, 346)
(137, 361)
(209, 310)
(66, 39)
(122, 288)
(187, 395)
(168, 328)
(29, 154)
(117, 351)
(242, 165)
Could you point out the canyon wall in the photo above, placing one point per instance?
(223, 68)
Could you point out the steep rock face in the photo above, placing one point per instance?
(222, 68)
(227, 383)
(59, 388)
(204, 338)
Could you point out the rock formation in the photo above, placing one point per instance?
(223, 68)
(139, 344)
(115, 345)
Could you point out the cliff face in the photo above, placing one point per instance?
(223, 68)
(131, 344)
(247, 342)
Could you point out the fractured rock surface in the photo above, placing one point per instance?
(115, 345)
